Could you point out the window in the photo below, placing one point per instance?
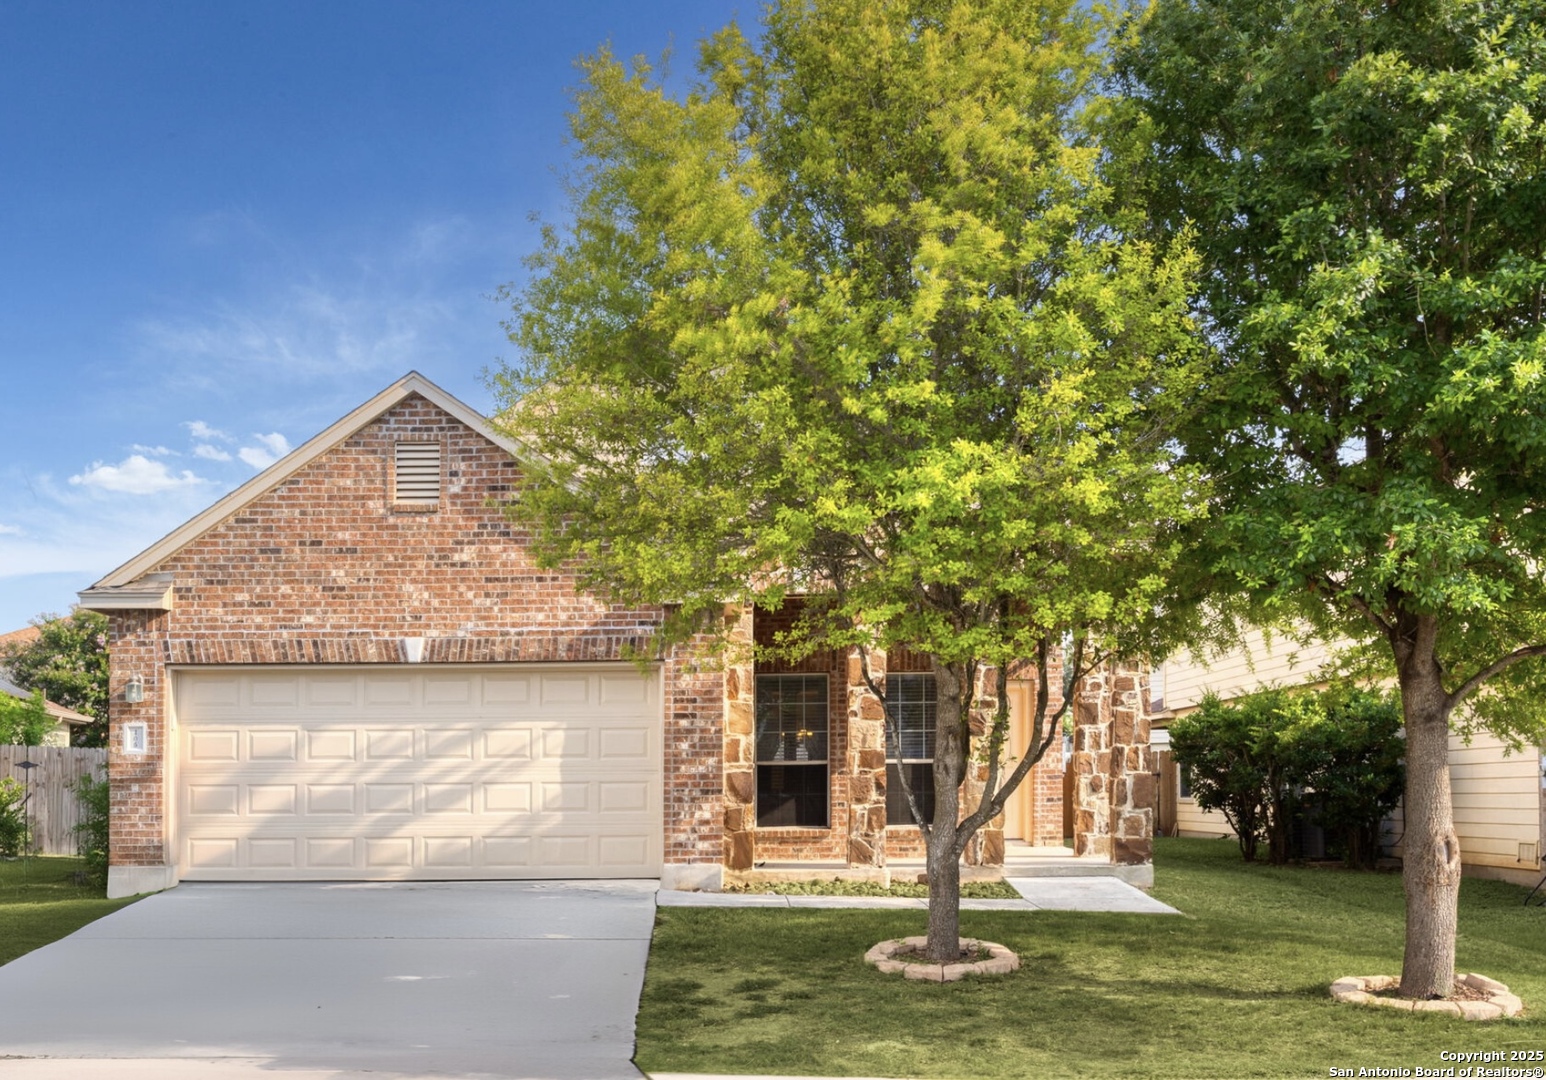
(792, 751)
(911, 699)
(417, 477)
(1186, 782)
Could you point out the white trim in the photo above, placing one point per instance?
(293, 462)
(152, 592)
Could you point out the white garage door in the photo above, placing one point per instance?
(405, 772)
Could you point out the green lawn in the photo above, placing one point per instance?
(40, 902)
(1236, 987)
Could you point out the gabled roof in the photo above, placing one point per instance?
(123, 587)
(25, 636)
(58, 712)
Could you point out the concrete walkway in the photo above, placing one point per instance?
(306, 981)
(1038, 894)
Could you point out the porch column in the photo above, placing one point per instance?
(986, 847)
(1092, 765)
(1132, 767)
(866, 764)
(740, 754)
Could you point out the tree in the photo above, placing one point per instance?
(24, 721)
(856, 318)
(67, 661)
(1365, 181)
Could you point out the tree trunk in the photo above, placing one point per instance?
(951, 743)
(1430, 872)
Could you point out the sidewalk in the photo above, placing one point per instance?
(1038, 894)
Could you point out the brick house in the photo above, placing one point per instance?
(351, 668)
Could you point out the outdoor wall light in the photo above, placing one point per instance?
(134, 692)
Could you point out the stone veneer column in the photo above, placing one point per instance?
(1092, 765)
(986, 847)
(1131, 767)
(866, 763)
(740, 749)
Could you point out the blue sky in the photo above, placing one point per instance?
(223, 226)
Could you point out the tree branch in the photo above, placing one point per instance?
(893, 726)
(1471, 685)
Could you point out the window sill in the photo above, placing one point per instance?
(415, 508)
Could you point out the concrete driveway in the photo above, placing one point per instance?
(302, 981)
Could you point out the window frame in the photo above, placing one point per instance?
(802, 739)
(927, 704)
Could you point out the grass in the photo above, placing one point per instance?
(40, 902)
(1236, 987)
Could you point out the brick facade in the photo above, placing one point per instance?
(324, 569)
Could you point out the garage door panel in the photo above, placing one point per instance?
(211, 746)
(327, 745)
(324, 692)
(453, 745)
(505, 689)
(273, 745)
(371, 775)
(278, 692)
(513, 744)
(560, 690)
(625, 743)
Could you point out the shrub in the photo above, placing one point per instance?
(15, 836)
(91, 833)
(24, 721)
(1263, 759)
(1217, 745)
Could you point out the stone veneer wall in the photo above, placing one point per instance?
(1114, 783)
(325, 569)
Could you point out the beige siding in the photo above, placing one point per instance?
(1497, 798)
(1193, 820)
(1254, 666)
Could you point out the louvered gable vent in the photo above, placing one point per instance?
(418, 473)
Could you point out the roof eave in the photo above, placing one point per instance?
(282, 470)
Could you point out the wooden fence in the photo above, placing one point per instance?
(53, 809)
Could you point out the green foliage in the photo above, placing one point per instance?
(68, 663)
(1218, 746)
(1366, 183)
(1264, 759)
(15, 832)
(24, 721)
(1347, 751)
(92, 831)
(859, 317)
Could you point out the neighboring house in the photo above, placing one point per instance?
(65, 719)
(1499, 797)
(16, 639)
(352, 668)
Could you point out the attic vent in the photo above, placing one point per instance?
(418, 474)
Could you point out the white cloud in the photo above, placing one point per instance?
(200, 430)
(10, 530)
(277, 444)
(210, 453)
(135, 475)
(153, 451)
(273, 447)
